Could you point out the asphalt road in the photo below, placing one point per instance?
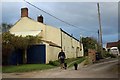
(106, 69)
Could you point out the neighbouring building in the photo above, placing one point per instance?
(53, 39)
(112, 48)
(112, 44)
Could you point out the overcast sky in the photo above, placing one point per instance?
(81, 14)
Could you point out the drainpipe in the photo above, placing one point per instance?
(61, 37)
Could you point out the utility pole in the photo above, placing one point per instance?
(98, 36)
(81, 46)
(80, 38)
(100, 30)
(80, 42)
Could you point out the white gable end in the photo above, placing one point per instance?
(26, 26)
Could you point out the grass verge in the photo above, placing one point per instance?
(35, 67)
(0, 69)
(78, 61)
(25, 68)
(68, 61)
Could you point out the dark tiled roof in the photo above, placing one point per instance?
(112, 44)
(69, 34)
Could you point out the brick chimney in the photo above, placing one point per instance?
(24, 12)
(40, 18)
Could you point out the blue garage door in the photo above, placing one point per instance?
(36, 54)
(16, 57)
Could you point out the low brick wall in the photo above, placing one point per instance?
(92, 55)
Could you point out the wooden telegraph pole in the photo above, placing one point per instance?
(100, 30)
(98, 36)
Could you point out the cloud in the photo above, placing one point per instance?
(81, 14)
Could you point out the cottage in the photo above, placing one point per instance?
(53, 39)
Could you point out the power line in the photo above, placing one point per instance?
(56, 17)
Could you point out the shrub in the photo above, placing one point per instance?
(54, 63)
(113, 56)
(106, 54)
(110, 55)
(86, 61)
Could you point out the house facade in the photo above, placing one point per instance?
(53, 39)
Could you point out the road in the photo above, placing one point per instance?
(106, 69)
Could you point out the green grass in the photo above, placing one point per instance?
(35, 67)
(25, 68)
(68, 61)
(78, 61)
(0, 69)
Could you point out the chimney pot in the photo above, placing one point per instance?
(40, 18)
(24, 12)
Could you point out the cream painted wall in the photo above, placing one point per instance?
(52, 53)
(53, 34)
(43, 32)
(66, 45)
(49, 33)
(27, 26)
(71, 46)
(82, 51)
(75, 45)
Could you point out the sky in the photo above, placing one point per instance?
(84, 15)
